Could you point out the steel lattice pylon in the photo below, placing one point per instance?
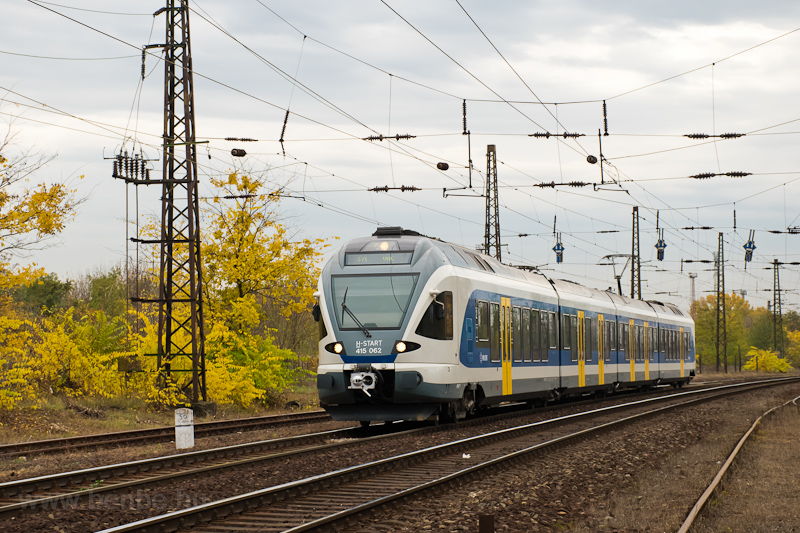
(181, 346)
(721, 342)
(636, 265)
(492, 233)
(777, 315)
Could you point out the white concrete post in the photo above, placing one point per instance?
(184, 428)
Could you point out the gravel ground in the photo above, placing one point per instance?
(638, 479)
(586, 488)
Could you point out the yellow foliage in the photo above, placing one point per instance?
(766, 361)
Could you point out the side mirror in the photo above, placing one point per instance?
(316, 312)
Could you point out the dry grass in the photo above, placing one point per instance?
(663, 494)
(56, 417)
(761, 493)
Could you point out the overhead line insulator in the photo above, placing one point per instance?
(703, 176)
(388, 137)
(547, 135)
(721, 136)
(737, 174)
(402, 188)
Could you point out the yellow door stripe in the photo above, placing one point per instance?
(505, 335)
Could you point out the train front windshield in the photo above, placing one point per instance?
(377, 301)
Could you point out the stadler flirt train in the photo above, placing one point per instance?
(414, 328)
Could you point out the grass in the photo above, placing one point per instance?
(760, 493)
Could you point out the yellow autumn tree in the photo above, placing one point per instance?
(248, 258)
(32, 212)
(766, 361)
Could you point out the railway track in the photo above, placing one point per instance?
(69, 489)
(344, 494)
(153, 435)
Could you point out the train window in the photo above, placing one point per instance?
(534, 336)
(379, 301)
(675, 344)
(609, 340)
(565, 335)
(687, 349)
(640, 343)
(526, 335)
(623, 339)
(653, 339)
(494, 327)
(516, 334)
(662, 347)
(587, 339)
(547, 334)
(437, 322)
(688, 354)
(323, 331)
(482, 324)
(573, 330)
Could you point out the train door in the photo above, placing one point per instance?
(505, 342)
(580, 350)
(601, 351)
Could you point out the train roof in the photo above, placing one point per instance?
(408, 241)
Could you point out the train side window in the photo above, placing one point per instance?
(437, 321)
(675, 344)
(482, 324)
(623, 341)
(516, 334)
(573, 327)
(552, 334)
(565, 335)
(669, 345)
(534, 336)
(640, 339)
(494, 332)
(587, 343)
(526, 335)
(609, 340)
(323, 331)
(548, 334)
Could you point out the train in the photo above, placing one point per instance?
(415, 328)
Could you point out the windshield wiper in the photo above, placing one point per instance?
(350, 313)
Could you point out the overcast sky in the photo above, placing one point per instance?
(665, 69)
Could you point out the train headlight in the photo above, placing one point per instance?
(405, 346)
(336, 347)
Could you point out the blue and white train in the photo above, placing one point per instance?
(413, 328)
